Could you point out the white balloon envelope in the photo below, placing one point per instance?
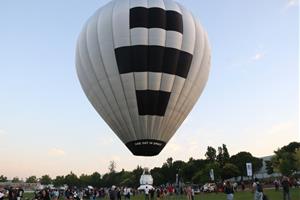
(143, 64)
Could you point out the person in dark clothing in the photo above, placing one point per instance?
(86, 194)
(243, 186)
(118, 194)
(12, 194)
(276, 184)
(228, 190)
(95, 194)
(158, 194)
(113, 193)
(20, 193)
(152, 194)
(44, 195)
(286, 188)
(68, 193)
(36, 195)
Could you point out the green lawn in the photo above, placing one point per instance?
(273, 195)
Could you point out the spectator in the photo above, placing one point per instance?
(258, 190)
(158, 194)
(276, 184)
(12, 194)
(147, 193)
(127, 193)
(286, 188)
(235, 186)
(189, 193)
(1, 195)
(243, 186)
(192, 193)
(20, 193)
(44, 195)
(113, 193)
(228, 190)
(152, 191)
(118, 194)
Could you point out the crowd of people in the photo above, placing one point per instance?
(12, 193)
(258, 188)
(150, 193)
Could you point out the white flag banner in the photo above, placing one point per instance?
(249, 169)
(211, 174)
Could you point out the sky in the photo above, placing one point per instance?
(48, 126)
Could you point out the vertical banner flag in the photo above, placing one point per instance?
(211, 174)
(249, 169)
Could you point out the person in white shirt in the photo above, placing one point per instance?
(2, 195)
(147, 193)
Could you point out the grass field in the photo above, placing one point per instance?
(272, 195)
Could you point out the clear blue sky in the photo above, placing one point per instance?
(48, 126)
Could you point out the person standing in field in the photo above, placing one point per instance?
(229, 191)
(258, 190)
(276, 184)
(286, 188)
(189, 193)
(147, 193)
(192, 193)
(1, 195)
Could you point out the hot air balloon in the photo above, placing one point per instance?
(143, 64)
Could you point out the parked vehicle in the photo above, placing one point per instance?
(197, 189)
(209, 187)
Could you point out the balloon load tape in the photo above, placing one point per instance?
(146, 147)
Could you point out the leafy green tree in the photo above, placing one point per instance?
(226, 154)
(71, 180)
(169, 162)
(95, 179)
(269, 167)
(45, 180)
(3, 178)
(31, 179)
(297, 158)
(223, 155)
(230, 170)
(191, 168)
(158, 177)
(211, 154)
(203, 175)
(137, 172)
(291, 147)
(85, 180)
(242, 158)
(112, 166)
(59, 181)
(15, 180)
(126, 178)
(285, 160)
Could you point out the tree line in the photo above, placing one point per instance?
(285, 161)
